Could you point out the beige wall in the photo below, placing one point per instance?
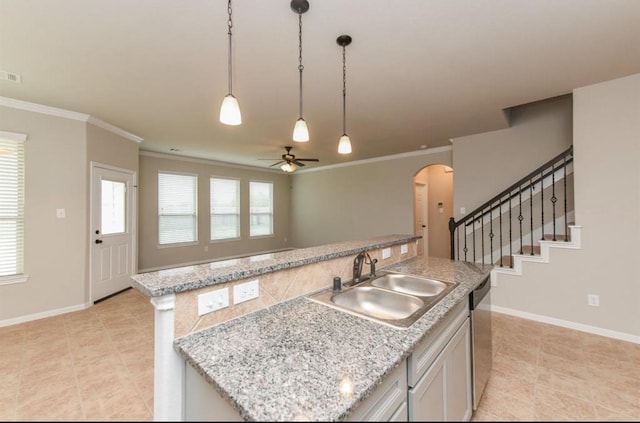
(56, 176)
(151, 256)
(606, 122)
(357, 201)
(487, 163)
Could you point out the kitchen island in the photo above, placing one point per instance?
(177, 295)
(300, 360)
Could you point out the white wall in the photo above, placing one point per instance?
(360, 200)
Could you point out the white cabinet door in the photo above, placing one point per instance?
(458, 373)
(427, 398)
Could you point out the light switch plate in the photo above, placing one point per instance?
(386, 253)
(212, 301)
(245, 292)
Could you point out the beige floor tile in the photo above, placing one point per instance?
(97, 364)
(557, 406)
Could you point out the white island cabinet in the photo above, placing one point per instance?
(440, 372)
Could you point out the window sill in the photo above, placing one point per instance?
(9, 280)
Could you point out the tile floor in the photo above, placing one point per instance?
(97, 364)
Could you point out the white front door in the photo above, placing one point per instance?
(113, 254)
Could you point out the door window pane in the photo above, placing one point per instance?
(113, 207)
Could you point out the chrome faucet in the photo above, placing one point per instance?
(358, 263)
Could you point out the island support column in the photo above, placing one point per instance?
(168, 374)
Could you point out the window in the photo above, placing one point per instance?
(260, 208)
(11, 205)
(224, 207)
(177, 208)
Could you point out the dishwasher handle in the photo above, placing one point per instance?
(479, 293)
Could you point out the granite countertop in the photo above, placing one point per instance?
(294, 360)
(185, 278)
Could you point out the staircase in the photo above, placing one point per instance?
(523, 222)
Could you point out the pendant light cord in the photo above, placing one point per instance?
(230, 25)
(344, 91)
(300, 67)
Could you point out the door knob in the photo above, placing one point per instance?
(98, 241)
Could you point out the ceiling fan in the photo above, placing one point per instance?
(289, 161)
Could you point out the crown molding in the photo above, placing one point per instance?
(203, 161)
(67, 114)
(379, 159)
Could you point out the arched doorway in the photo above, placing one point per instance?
(433, 206)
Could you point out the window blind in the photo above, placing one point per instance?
(260, 208)
(11, 207)
(177, 208)
(224, 206)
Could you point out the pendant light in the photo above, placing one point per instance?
(230, 109)
(300, 130)
(344, 145)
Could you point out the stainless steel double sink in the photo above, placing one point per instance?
(392, 298)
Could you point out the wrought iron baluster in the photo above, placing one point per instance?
(531, 212)
(520, 216)
(482, 235)
(500, 221)
(554, 199)
(473, 237)
(491, 234)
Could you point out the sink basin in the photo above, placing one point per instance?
(409, 284)
(391, 298)
(377, 303)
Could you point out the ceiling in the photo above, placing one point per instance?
(419, 72)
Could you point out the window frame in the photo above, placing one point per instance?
(238, 208)
(194, 214)
(17, 141)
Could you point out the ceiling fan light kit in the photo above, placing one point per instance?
(230, 109)
(300, 130)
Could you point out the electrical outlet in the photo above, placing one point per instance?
(404, 248)
(245, 291)
(593, 300)
(212, 301)
(386, 253)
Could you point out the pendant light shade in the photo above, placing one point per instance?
(300, 130)
(230, 109)
(344, 145)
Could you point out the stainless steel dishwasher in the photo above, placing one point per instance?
(481, 344)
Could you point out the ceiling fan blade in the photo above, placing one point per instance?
(309, 160)
(277, 163)
(297, 162)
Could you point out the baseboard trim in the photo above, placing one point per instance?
(567, 324)
(44, 314)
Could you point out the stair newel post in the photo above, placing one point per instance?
(510, 234)
(452, 230)
(554, 199)
(566, 225)
(500, 225)
(542, 204)
(531, 212)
